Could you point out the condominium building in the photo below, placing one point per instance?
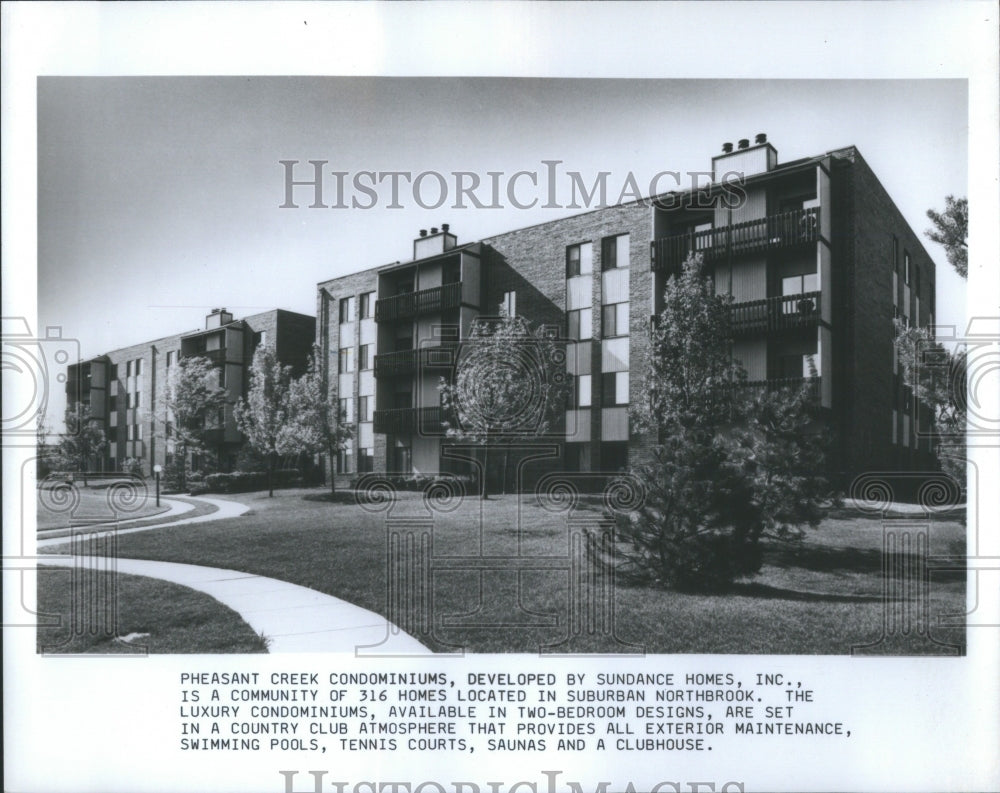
(817, 258)
(126, 389)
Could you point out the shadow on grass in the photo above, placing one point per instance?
(840, 560)
(339, 497)
(765, 591)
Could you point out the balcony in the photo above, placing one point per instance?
(412, 304)
(215, 357)
(409, 421)
(403, 362)
(760, 387)
(775, 313)
(774, 232)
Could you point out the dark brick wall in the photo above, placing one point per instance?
(865, 222)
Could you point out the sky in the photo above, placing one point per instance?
(159, 197)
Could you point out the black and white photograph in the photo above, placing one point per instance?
(417, 418)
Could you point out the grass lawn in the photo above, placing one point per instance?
(820, 597)
(94, 505)
(177, 619)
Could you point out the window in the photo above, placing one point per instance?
(113, 403)
(895, 254)
(916, 279)
(367, 306)
(138, 432)
(577, 456)
(346, 309)
(799, 284)
(170, 429)
(614, 456)
(906, 268)
(171, 355)
(365, 357)
(347, 410)
(366, 408)
(366, 460)
(345, 461)
(579, 260)
(114, 371)
(794, 367)
(346, 360)
(508, 306)
(131, 432)
(138, 367)
(614, 252)
(580, 324)
(128, 368)
(614, 389)
(614, 320)
(580, 393)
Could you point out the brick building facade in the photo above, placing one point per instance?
(817, 258)
(126, 389)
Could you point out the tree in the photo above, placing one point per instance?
(82, 442)
(936, 376)
(733, 463)
(951, 229)
(262, 416)
(194, 401)
(315, 422)
(509, 386)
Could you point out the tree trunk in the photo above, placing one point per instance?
(270, 475)
(486, 470)
(331, 461)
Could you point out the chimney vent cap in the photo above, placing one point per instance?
(423, 232)
(727, 147)
(761, 138)
(434, 230)
(744, 143)
(445, 227)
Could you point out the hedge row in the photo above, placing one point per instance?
(243, 481)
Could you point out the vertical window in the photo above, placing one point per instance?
(346, 360)
(366, 460)
(366, 408)
(114, 371)
(906, 268)
(614, 389)
(131, 432)
(614, 320)
(367, 307)
(346, 309)
(579, 324)
(895, 254)
(345, 461)
(347, 410)
(128, 368)
(579, 260)
(614, 252)
(508, 306)
(138, 366)
(170, 358)
(365, 357)
(582, 389)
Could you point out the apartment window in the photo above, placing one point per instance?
(113, 403)
(895, 254)
(579, 324)
(916, 279)
(614, 252)
(579, 260)
(577, 456)
(347, 410)
(614, 389)
(366, 408)
(128, 368)
(366, 460)
(365, 357)
(345, 461)
(794, 367)
(580, 393)
(346, 309)
(614, 456)
(138, 432)
(114, 371)
(799, 284)
(508, 306)
(131, 432)
(906, 268)
(170, 429)
(367, 305)
(614, 320)
(138, 367)
(346, 360)
(171, 355)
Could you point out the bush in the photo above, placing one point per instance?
(243, 481)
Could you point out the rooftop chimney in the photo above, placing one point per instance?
(218, 318)
(744, 143)
(745, 159)
(727, 147)
(445, 227)
(761, 138)
(423, 232)
(437, 242)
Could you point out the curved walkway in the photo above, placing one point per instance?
(292, 618)
(222, 509)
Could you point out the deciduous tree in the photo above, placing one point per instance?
(951, 230)
(194, 400)
(262, 416)
(82, 441)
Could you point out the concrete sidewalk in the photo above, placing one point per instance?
(293, 618)
(222, 509)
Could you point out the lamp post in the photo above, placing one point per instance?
(157, 469)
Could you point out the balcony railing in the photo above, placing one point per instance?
(215, 357)
(409, 421)
(786, 230)
(412, 304)
(790, 383)
(775, 313)
(402, 362)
